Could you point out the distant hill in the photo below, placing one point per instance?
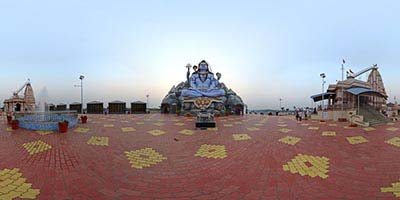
(265, 111)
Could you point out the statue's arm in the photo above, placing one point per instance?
(214, 82)
(193, 82)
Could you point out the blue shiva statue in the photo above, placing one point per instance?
(202, 83)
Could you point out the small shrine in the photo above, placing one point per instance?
(202, 92)
(21, 103)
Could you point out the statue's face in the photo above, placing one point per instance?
(203, 67)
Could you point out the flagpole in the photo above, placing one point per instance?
(343, 69)
(343, 62)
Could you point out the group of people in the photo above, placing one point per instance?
(301, 114)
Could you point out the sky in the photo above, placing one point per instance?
(265, 50)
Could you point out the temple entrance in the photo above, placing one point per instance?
(18, 107)
(238, 110)
(164, 108)
(361, 101)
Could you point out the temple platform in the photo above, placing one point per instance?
(158, 156)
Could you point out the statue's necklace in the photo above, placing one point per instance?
(205, 77)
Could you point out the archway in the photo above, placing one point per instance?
(165, 108)
(239, 110)
(17, 107)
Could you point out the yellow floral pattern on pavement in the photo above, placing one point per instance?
(395, 189)
(329, 133)
(356, 140)
(186, 132)
(285, 130)
(253, 129)
(394, 141)
(392, 129)
(81, 130)
(290, 140)
(144, 158)
(99, 141)
(13, 185)
(239, 137)
(128, 129)
(44, 132)
(369, 129)
(36, 147)
(307, 165)
(156, 132)
(211, 151)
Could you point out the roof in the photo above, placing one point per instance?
(95, 102)
(61, 104)
(75, 103)
(319, 97)
(390, 104)
(352, 82)
(139, 102)
(117, 102)
(358, 91)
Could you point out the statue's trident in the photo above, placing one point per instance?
(188, 66)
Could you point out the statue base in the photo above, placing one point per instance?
(205, 120)
(200, 104)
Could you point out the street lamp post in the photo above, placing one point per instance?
(280, 103)
(147, 101)
(81, 77)
(343, 62)
(322, 94)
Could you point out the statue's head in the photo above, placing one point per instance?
(203, 66)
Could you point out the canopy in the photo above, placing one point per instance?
(357, 91)
(319, 97)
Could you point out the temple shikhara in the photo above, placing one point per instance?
(355, 98)
(21, 103)
(202, 91)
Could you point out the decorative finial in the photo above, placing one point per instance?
(218, 75)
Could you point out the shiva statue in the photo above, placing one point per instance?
(202, 83)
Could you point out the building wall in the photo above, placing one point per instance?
(138, 108)
(95, 108)
(117, 108)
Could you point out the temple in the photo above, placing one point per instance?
(19, 103)
(202, 91)
(352, 97)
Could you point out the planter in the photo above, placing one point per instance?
(227, 114)
(217, 115)
(9, 119)
(188, 115)
(14, 125)
(178, 114)
(84, 119)
(353, 125)
(63, 126)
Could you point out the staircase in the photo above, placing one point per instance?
(372, 116)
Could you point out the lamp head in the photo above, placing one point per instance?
(81, 77)
(322, 75)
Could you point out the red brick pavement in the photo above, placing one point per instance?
(246, 169)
